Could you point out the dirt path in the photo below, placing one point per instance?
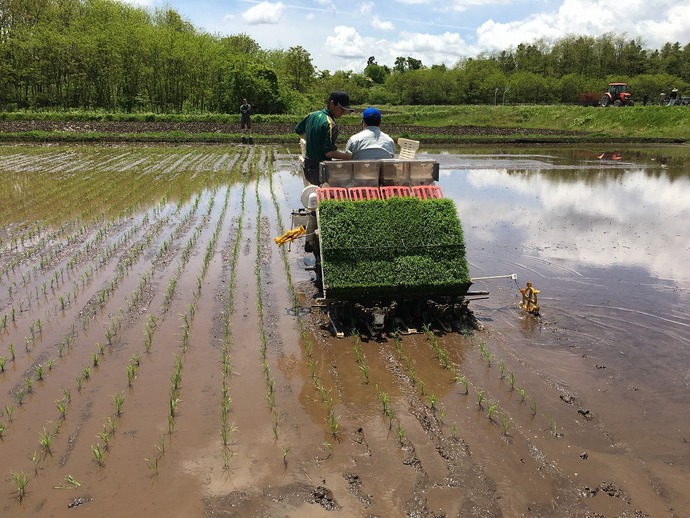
(258, 128)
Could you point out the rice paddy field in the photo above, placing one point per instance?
(160, 356)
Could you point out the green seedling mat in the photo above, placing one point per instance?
(400, 247)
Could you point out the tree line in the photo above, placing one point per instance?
(108, 55)
(539, 72)
(111, 56)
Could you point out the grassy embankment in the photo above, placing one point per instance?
(455, 124)
(637, 122)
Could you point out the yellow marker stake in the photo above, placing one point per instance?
(529, 299)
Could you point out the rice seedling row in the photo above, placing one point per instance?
(39, 325)
(316, 373)
(386, 402)
(120, 271)
(321, 384)
(90, 245)
(186, 318)
(444, 423)
(263, 346)
(227, 428)
(174, 399)
(324, 394)
(237, 439)
(140, 360)
(98, 449)
(426, 411)
(39, 240)
(323, 387)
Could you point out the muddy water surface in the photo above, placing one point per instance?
(603, 235)
(150, 273)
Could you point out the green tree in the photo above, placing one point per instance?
(377, 73)
(424, 86)
(107, 54)
(534, 58)
(634, 58)
(298, 68)
(684, 71)
(671, 59)
(356, 85)
(405, 64)
(480, 79)
(605, 60)
(528, 87)
(241, 44)
(573, 55)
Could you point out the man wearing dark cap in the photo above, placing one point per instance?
(321, 132)
(371, 143)
(245, 119)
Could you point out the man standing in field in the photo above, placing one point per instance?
(245, 120)
(321, 132)
(371, 143)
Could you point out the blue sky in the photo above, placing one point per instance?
(343, 34)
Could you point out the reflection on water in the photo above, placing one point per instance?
(606, 241)
(598, 219)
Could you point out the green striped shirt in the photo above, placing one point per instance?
(320, 132)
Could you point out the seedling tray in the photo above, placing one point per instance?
(394, 248)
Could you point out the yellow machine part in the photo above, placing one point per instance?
(290, 235)
(529, 299)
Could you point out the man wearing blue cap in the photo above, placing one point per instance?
(320, 132)
(371, 143)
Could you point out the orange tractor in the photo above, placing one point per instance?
(617, 95)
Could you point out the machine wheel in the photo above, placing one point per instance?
(604, 101)
(618, 103)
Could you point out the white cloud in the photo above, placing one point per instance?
(355, 65)
(465, 5)
(264, 13)
(382, 25)
(674, 28)
(346, 43)
(366, 8)
(655, 23)
(432, 49)
(434, 31)
(494, 36)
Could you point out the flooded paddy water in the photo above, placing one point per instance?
(159, 353)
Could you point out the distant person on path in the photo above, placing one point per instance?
(245, 119)
(321, 132)
(371, 143)
(662, 98)
(645, 98)
(673, 96)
